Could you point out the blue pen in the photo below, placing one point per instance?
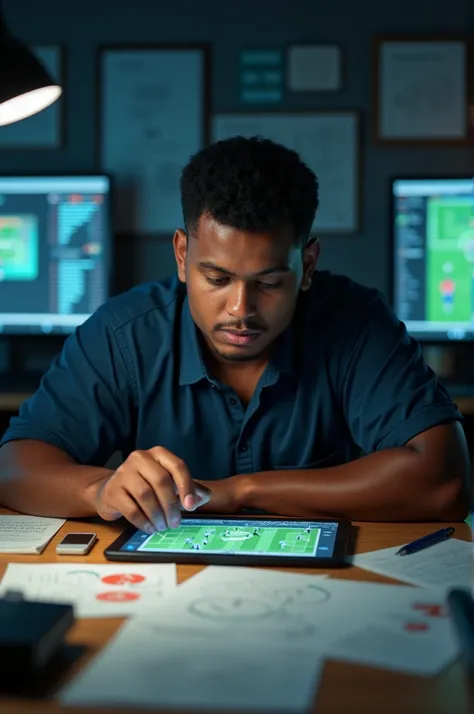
(426, 541)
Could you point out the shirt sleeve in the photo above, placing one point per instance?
(84, 404)
(389, 394)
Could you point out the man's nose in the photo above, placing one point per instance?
(242, 301)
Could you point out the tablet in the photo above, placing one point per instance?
(239, 540)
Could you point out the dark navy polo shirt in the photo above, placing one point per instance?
(343, 379)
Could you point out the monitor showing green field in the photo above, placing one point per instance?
(19, 247)
(433, 257)
(230, 538)
(450, 259)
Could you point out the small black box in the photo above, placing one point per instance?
(31, 634)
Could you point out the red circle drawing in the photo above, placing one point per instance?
(123, 579)
(118, 596)
(432, 610)
(416, 627)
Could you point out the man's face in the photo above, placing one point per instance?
(242, 287)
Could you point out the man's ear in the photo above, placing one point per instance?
(180, 247)
(311, 253)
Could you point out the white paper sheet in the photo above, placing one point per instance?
(393, 626)
(94, 590)
(244, 638)
(167, 665)
(445, 565)
(27, 534)
(413, 74)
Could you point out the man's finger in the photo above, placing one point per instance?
(144, 494)
(155, 487)
(130, 510)
(203, 495)
(180, 475)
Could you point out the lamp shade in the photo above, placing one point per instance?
(25, 86)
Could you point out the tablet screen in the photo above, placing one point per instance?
(250, 537)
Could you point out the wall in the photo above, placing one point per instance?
(231, 26)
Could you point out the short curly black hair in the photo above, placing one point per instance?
(251, 184)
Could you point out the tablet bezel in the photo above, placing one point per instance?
(344, 538)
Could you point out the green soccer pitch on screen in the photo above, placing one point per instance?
(433, 257)
(217, 539)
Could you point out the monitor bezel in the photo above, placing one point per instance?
(438, 340)
(111, 255)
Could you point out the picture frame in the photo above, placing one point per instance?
(45, 130)
(261, 80)
(336, 159)
(314, 67)
(153, 114)
(421, 91)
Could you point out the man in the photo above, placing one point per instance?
(250, 381)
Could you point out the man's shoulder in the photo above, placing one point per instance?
(156, 301)
(340, 298)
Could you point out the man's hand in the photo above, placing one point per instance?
(226, 495)
(149, 489)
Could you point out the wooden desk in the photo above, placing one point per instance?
(465, 405)
(12, 401)
(344, 687)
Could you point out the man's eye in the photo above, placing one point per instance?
(272, 286)
(217, 281)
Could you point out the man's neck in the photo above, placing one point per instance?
(241, 375)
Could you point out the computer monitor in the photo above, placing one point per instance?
(433, 257)
(55, 251)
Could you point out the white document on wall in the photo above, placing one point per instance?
(152, 119)
(94, 590)
(446, 565)
(314, 68)
(412, 77)
(27, 534)
(327, 141)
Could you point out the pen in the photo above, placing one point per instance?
(426, 541)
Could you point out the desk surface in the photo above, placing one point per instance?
(344, 687)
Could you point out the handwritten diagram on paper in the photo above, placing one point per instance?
(336, 618)
(285, 610)
(94, 590)
(327, 142)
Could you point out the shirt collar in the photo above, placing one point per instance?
(193, 369)
(282, 357)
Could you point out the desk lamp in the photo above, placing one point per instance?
(25, 86)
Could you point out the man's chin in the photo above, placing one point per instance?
(236, 354)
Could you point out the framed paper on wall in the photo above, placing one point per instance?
(328, 142)
(314, 68)
(46, 129)
(153, 115)
(421, 91)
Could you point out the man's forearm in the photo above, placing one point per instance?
(391, 485)
(39, 479)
